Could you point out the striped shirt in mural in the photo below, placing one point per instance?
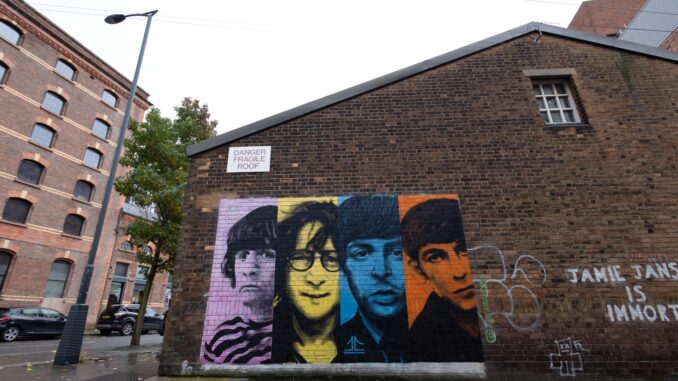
(240, 342)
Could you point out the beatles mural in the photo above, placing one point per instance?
(380, 278)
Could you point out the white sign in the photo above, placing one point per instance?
(249, 159)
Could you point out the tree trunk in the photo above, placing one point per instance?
(139, 326)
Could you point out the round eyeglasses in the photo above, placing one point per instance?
(302, 260)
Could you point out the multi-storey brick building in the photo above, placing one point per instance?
(331, 233)
(61, 108)
(649, 22)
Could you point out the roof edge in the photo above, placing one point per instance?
(419, 68)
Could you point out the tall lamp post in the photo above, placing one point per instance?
(74, 330)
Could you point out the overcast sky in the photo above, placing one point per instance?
(249, 59)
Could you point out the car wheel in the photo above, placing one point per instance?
(144, 332)
(161, 331)
(104, 332)
(10, 334)
(127, 329)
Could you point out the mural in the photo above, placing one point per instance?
(378, 278)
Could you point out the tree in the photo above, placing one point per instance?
(155, 154)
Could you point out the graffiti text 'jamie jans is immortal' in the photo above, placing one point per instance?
(640, 306)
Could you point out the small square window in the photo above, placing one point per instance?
(109, 98)
(53, 103)
(100, 128)
(65, 69)
(92, 158)
(30, 172)
(555, 101)
(73, 224)
(83, 190)
(16, 210)
(9, 32)
(42, 135)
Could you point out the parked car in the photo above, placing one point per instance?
(123, 317)
(18, 322)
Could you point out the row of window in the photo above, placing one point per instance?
(44, 135)
(17, 210)
(54, 102)
(31, 172)
(67, 70)
(127, 246)
(56, 280)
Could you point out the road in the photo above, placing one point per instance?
(20, 352)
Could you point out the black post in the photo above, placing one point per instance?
(74, 330)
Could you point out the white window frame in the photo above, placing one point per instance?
(560, 108)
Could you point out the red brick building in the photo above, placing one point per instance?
(649, 22)
(561, 148)
(62, 108)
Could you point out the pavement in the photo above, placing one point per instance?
(102, 359)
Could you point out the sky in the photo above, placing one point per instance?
(250, 59)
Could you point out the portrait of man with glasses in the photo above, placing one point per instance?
(242, 301)
(371, 257)
(307, 284)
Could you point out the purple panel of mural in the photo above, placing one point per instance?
(239, 318)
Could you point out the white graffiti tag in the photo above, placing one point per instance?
(568, 358)
(507, 295)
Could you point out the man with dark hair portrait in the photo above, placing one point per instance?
(307, 285)
(447, 328)
(370, 252)
(249, 264)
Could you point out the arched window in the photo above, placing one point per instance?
(100, 128)
(92, 158)
(53, 103)
(83, 190)
(64, 68)
(16, 210)
(3, 72)
(56, 281)
(147, 250)
(109, 98)
(73, 224)
(5, 260)
(43, 135)
(127, 246)
(9, 32)
(30, 171)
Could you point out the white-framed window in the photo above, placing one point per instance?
(92, 158)
(555, 101)
(64, 68)
(9, 32)
(109, 98)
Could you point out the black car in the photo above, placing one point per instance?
(123, 317)
(30, 321)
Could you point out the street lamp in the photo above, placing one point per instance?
(74, 330)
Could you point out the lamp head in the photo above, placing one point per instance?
(115, 19)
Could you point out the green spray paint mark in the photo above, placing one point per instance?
(490, 334)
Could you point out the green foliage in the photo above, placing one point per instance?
(156, 156)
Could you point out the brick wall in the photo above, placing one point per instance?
(551, 204)
(605, 17)
(36, 244)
